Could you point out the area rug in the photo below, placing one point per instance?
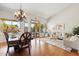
(56, 42)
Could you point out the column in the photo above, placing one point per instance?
(22, 26)
(29, 25)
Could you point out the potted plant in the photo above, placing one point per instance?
(76, 31)
(38, 27)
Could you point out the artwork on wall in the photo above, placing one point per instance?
(58, 27)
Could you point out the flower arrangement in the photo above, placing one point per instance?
(9, 28)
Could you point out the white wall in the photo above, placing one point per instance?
(70, 17)
(6, 14)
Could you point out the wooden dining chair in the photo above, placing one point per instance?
(14, 44)
(25, 40)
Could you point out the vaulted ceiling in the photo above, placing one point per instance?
(43, 10)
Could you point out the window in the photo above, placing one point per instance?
(16, 23)
(26, 24)
(32, 25)
(7, 22)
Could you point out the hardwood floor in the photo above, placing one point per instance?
(38, 48)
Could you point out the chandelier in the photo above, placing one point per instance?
(20, 15)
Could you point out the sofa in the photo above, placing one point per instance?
(72, 42)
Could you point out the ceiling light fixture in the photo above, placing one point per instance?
(20, 15)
